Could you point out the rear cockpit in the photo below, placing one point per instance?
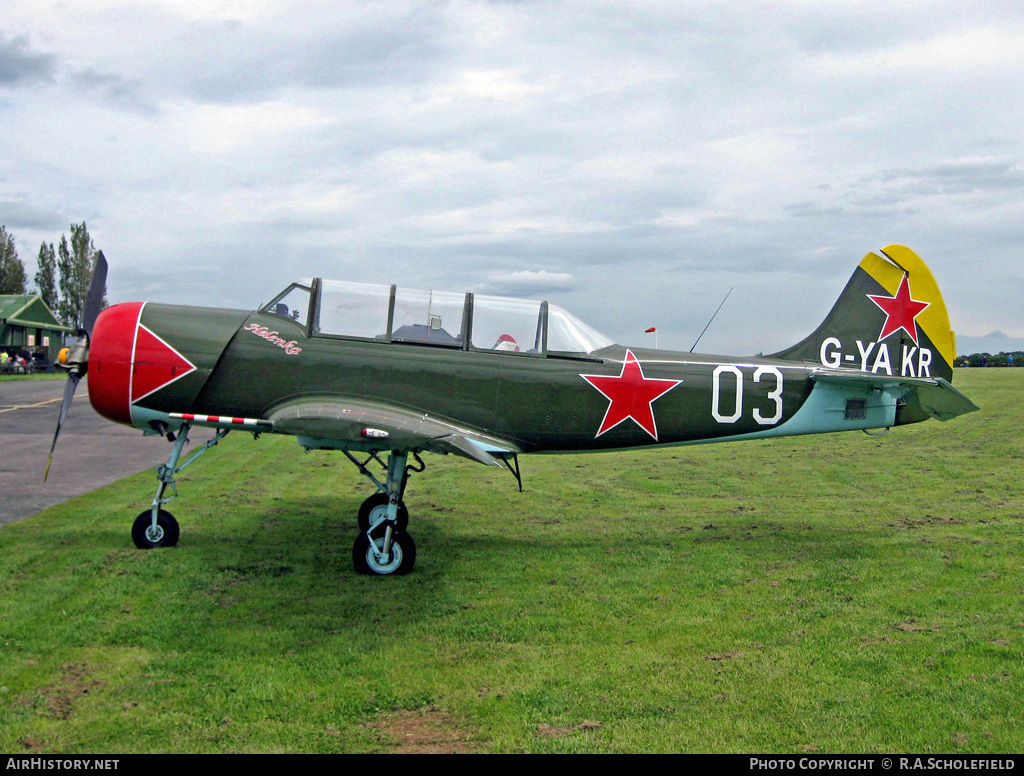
(446, 319)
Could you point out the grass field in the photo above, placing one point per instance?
(837, 593)
(38, 376)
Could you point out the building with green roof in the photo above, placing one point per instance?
(26, 323)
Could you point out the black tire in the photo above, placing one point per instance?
(401, 560)
(366, 518)
(166, 534)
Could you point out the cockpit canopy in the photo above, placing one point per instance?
(381, 313)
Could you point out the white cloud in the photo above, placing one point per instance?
(487, 85)
(215, 129)
(527, 282)
(506, 218)
(956, 53)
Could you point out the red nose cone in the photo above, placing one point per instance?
(110, 361)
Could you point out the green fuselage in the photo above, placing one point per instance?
(248, 364)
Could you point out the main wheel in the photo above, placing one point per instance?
(165, 534)
(399, 561)
(375, 508)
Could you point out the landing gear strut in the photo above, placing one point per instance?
(156, 527)
(383, 547)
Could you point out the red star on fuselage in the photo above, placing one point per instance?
(900, 310)
(630, 396)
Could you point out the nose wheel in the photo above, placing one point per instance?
(156, 527)
(148, 535)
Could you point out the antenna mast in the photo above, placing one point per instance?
(712, 319)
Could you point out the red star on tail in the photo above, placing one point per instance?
(630, 396)
(900, 311)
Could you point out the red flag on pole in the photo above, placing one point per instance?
(648, 331)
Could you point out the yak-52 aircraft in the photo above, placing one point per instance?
(376, 369)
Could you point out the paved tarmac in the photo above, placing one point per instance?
(91, 451)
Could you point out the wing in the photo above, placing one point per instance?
(934, 396)
(362, 425)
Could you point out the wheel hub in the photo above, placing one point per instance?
(381, 563)
(155, 533)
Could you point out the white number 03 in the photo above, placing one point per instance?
(737, 409)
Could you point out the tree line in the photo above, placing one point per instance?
(63, 275)
(1013, 358)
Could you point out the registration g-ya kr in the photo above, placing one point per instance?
(384, 373)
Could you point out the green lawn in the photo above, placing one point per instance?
(837, 593)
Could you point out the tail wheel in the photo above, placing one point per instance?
(400, 560)
(147, 536)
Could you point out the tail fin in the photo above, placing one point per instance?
(889, 320)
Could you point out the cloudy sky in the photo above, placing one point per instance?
(631, 161)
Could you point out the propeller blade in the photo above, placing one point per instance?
(69, 391)
(97, 288)
(78, 355)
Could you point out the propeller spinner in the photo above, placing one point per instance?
(76, 358)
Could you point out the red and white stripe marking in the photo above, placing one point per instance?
(221, 419)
